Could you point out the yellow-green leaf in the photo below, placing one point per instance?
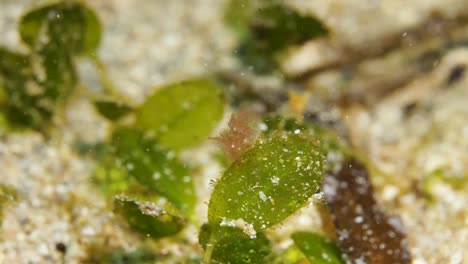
(183, 114)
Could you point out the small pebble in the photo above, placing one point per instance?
(456, 73)
(61, 247)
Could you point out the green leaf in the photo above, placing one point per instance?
(112, 110)
(273, 28)
(75, 26)
(318, 249)
(153, 166)
(147, 218)
(183, 114)
(268, 183)
(232, 245)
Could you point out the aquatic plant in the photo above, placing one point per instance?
(37, 84)
(276, 163)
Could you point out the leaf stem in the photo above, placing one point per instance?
(209, 250)
(106, 81)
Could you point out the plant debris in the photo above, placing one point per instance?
(364, 232)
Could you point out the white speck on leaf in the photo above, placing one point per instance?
(275, 180)
(156, 176)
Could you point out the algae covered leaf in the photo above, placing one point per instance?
(183, 114)
(317, 249)
(268, 183)
(147, 218)
(232, 245)
(154, 167)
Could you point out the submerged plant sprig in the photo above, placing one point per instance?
(38, 83)
(276, 176)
